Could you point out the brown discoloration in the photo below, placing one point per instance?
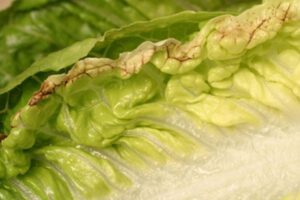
(41, 94)
(131, 62)
(256, 29)
(2, 136)
(47, 88)
(181, 58)
(222, 33)
(286, 13)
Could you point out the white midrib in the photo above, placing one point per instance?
(258, 166)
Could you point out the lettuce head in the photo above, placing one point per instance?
(191, 105)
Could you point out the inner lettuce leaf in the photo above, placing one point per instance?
(211, 116)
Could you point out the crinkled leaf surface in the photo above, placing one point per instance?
(209, 116)
(32, 29)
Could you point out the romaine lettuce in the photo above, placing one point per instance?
(208, 115)
(31, 29)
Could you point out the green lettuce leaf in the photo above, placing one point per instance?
(64, 58)
(30, 30)
(211, 115)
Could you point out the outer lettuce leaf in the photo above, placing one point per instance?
(106, 118)
(32, 29)
(128, 34)
(131, 34)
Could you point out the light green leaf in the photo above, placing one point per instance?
(211, 115)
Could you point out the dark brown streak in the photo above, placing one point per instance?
(286, 13)
(2, 136)
(68, 78)
(254, 31)
(44, 91)
(180, 59)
